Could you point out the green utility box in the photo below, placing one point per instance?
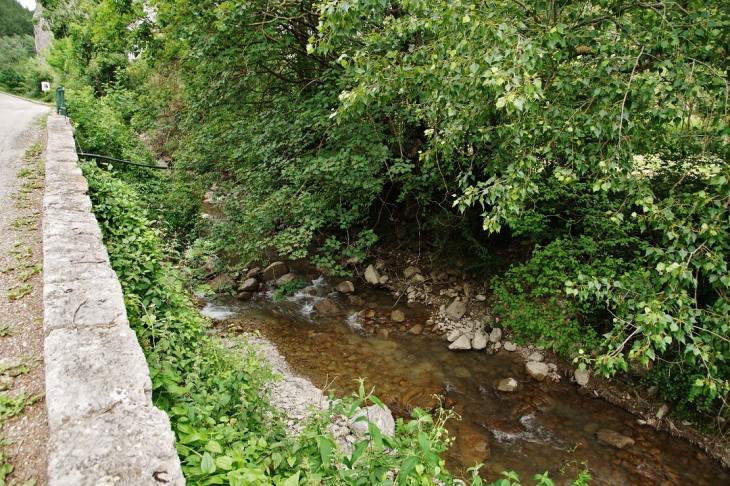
(60, 101)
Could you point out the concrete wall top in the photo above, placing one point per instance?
(104, 429)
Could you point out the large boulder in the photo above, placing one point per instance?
(345, 287)
(284, 279)
(613, 438)
(382, 417)
(463, 343)
(372, 276)
(456, 310)
(222, 282)
(274, 271)
(249, 285)
(537, 370)
(328, 308)
(254, 272)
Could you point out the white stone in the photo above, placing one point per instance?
(397, 316)
(536, 357)
(371, 275)
(582, 377)
(382, 417)
(480, 298)
(480, 340)
(462, 343)
(456, 310)
(507, 385)
(453, 335)
(383, 280)
(537, 370)
(496, 335)
(510, 346)
(662, 412)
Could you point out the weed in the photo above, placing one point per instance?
(6, 330)
(18, 292)
(21, 253)
(25, 221)
(26, 274)
(30, 186)
(33, 151)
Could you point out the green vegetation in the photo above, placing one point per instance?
(15, 19)
(20, 71)
(594, 135)
(227, 431)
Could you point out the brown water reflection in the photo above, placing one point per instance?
(528, 431)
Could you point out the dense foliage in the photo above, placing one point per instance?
(15, 19)
(227, 431)
(596, 133)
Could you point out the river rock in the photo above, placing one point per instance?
(462, 343)
(473, 446)
(5, 382)
(222, 282)
(536, 357)
(345, 287)
(507, 385)
(382, 417)
(662, 412)
(535, 369)
(411, 271)
(418, 278)
(327, 308)
(275, 270)
(284, 279)
(372, 276)
(480, 340)
(383, 280)
(613, 438)
(209, 267)
(244, 295)
(355, 300)
(249, 285)
(417, 329)
(510, 346)
(496, 335)
(480, 298)
(456, 310)
(397, 316)
(253, 272)
(582, 377)
(453, 335)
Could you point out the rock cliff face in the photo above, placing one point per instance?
(41, 31)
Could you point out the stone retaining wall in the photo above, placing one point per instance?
(104, 429)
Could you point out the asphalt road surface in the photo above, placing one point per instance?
(16, 118)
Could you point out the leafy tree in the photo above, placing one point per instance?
(507, 91)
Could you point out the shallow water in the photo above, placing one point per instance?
(530, 431)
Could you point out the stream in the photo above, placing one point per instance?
(531, 430)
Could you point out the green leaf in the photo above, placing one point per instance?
(292, 480)
(207, 465)
(224, 462)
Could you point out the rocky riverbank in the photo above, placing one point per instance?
(454, 306)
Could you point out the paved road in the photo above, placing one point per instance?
(16, 119)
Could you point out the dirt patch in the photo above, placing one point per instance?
(21, 311)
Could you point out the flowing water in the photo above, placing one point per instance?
(529, 431)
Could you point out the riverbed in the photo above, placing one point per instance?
(542, 426)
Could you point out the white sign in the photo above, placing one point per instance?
(45, 86)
